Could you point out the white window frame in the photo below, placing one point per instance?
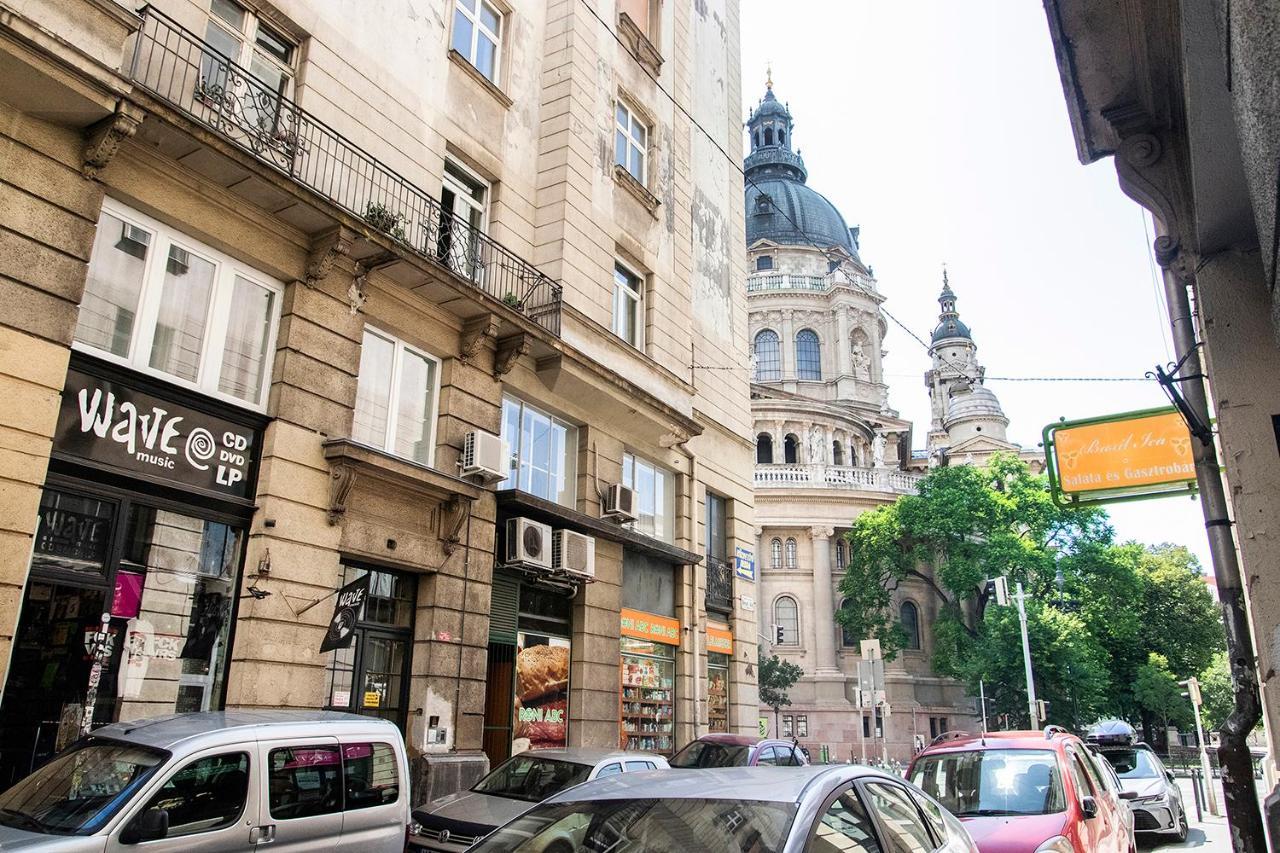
(226, 270)
(634, 300)
(513, 449)
(465, 194)
(664, 511)
(476, 29)
(393, 399)
(248, 37)
(635, 118)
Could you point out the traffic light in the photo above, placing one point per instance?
(1042, 710)
(1193, 690)
(998, 588)
(778, 635)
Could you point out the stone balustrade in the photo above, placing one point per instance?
(849, 477)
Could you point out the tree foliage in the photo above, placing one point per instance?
(776, 676)
(1096, 610)
(1215, 692)
(1157, 692)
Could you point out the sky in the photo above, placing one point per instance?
(940, 128)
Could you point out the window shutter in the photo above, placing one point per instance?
(504, 603)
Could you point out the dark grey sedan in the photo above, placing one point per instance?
(735, 809)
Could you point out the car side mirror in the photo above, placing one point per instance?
(1169, 773)
(1089, 806)
(1128, 795)
(148, 826)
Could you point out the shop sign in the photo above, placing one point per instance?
(542, 693)
(372, 698)
(719, 640)
(748, 603)
(744, 564)
(648, 626)
(346, 610)
(1128, 456)
(107, 423)
(341, 699)
(762, 724)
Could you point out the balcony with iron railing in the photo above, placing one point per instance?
(719, 586)
(843, 477)
(192, 77)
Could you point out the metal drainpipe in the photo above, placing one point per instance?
(693, 590)
(1234, 757)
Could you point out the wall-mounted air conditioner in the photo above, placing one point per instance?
(528, 543)
(485, 454)
(619, 503)
(573, 553)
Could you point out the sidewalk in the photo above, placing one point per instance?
(1208, 834)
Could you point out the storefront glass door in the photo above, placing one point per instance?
(370, 676)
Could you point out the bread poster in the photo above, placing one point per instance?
(542, 693)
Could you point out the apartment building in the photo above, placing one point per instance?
(381, 360)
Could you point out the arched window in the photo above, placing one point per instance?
(846, 636)
(768, 356)
(782, 136)
(808, 355)
(764, 448)
(775, 553)
(842, 554)
(837, 453)
(909, 619)
(768, 136)
(791, 553)
(791, 449)
(786, 615)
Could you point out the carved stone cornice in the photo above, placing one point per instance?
(342, 479)
(1148, 171)
(638, 43)
(474, 335)
(674, 437)
(102, 140)
(450, 517)
(325, 251)
(509, 352)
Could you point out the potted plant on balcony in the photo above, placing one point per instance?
(513, 301)
(380, 216)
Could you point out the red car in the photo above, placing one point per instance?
(721, 750)
(1027, 792)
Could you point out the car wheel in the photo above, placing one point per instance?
(1182, 826)
(559, 847)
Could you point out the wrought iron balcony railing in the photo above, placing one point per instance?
(719, 586)
(191, 76)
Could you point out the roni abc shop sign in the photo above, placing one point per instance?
(1129, 456)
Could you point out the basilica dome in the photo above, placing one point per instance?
(978, 402)
(780, 206)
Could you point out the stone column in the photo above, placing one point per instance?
(788, 345)
(823, 602)
(844, 361)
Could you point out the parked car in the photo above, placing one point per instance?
(827, 809)
(452, 824)
(722, 750)
(1157, 800)
(1027, 792)
(218, 781)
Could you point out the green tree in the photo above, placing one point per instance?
(1180, 619)
(1159, 696)
(1215, 693)
(775, 677)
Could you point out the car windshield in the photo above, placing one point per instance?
(79, 790)
(647, 826)
(1132, 763)
(701, 753)
(980, 783)
(532, 779)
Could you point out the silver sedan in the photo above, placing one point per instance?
(737, 809)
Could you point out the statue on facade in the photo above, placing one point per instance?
(877, 450)
(817, 446)
(861, 363)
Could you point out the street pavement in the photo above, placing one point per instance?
(1209, 834)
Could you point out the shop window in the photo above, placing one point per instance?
(628, 306)
(786, 615)
(802, 725)
(396, 397)
(655, 496)
(808, 355)
(648, 695)
(717, 692)
(544, 451)
(792, 562)
(631, 143)
(775, 553)
(370, 675)
(909, 619)
(162, 303)
(205, 795)
(463, 199)
(477, 35)
(543, 651)
(767, 353)
(764, 449)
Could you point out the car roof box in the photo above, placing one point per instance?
(1112, 733)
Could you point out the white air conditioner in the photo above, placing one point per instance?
(528, 543)
(485, 454)
(573, 553)
(620, 503)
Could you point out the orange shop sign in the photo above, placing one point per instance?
(719, 640)
(1120, 457)
(649, 626)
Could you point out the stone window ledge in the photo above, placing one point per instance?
(638, 43)
(628, 182)
(485, 83)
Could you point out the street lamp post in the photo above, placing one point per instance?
(1032, 709)
(1193, 693)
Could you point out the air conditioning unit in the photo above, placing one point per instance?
(573, 553)
(485, 454)
(528, 543)
(620, 503)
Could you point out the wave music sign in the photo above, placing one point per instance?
(1129, 456)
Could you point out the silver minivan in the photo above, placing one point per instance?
(233, 780)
